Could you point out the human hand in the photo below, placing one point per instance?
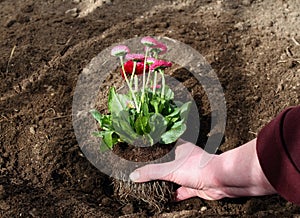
(234, 173)
(190, 169)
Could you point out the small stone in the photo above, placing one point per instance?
(164, 25)
(105, 201)
(240, 26)
(5, 154)
(34, 212)
(108, 2)
(128, 209)
(270, 23)
(10, 22)
(87, 185)
(22, 18)
(32, 130)
(73, 12)
(2, 192)
(202, 209)
(76, 1)
(247, 2)
(256, 98)
(4, 205)
(27, 9)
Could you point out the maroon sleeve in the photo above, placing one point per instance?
(278, 150)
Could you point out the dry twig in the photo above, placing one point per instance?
(10, 57)
(295, 41)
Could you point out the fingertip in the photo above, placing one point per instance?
(142, 174)
(153, 172)
(134, 176)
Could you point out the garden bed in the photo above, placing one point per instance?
(252, 46)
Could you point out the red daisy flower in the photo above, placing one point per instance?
(139, 69)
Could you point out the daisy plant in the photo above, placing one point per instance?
(147, 113)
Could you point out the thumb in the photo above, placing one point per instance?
(183, 193)
(152, 172)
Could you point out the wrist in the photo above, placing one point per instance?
(238, 173)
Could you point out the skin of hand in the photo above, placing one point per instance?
(234, 173)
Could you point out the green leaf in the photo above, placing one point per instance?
(97, 115)
(173, 119)
(106, 122)
(162, 105)
(148, 140)
(114, 103)
(123, 128)
(158, 125)
(184, 110)
(175, 113)
(178, 128)
(145, 109)
(98, 134)
(124, 100)
(155, 104)
(174, 133)
(103, 120)
(169, 94)
(103, 147)
(108, 139)
(141, 125)
(167, 108)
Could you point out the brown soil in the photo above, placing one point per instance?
(253, 47)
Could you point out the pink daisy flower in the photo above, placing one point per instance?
(149, 41)
(135, 57)
(150, 60)
(160, 48)
(120, 50)
(160, 64)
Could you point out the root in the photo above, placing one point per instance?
(156, 194)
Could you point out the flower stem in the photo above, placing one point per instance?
(132, 73)
(163, 83)
(136, 83)
(148, 77)
(144, 76)
(154, 82)
(129, 86)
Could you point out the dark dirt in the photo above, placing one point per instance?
(253, 46)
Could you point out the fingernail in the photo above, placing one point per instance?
(134, 176)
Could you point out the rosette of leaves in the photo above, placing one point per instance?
(147, 116)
